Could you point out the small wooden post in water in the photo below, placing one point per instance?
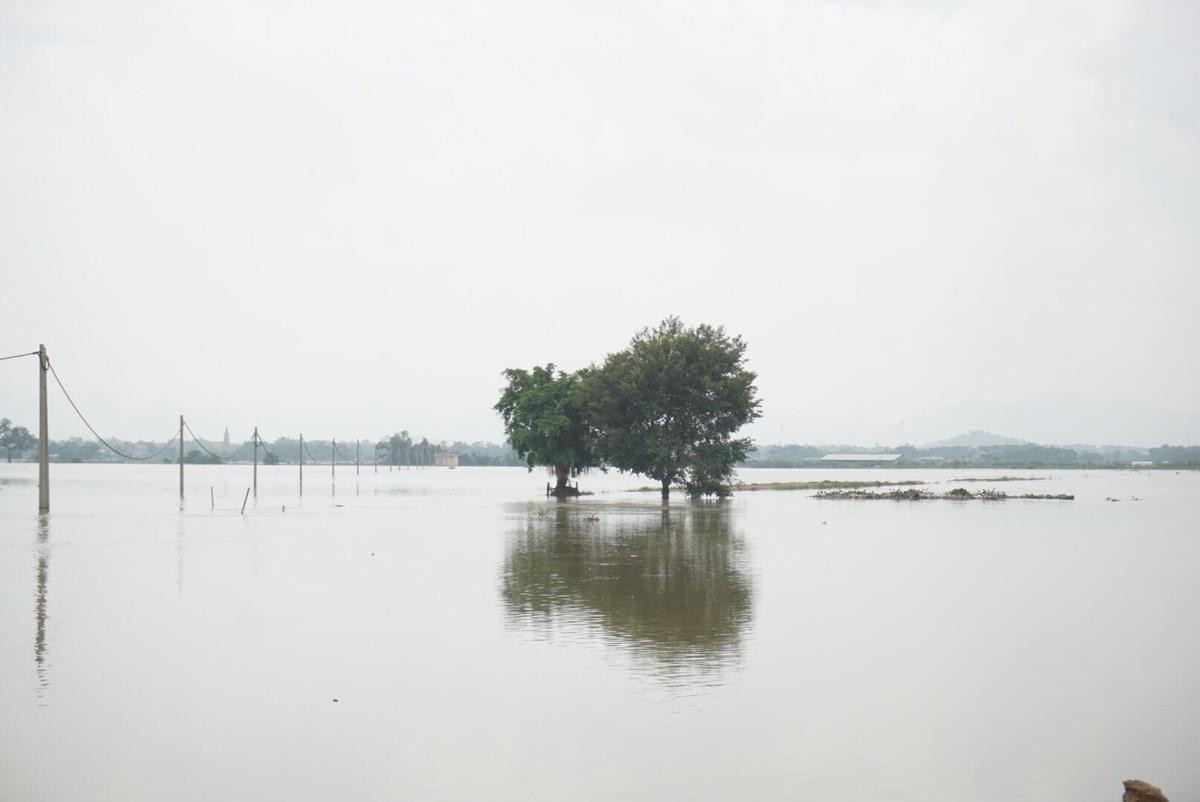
(43, 434)
(212, 501)
(245, 498)
(255, 465)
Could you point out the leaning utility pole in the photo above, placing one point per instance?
(43, 434)
(256, 462)
(181, 459)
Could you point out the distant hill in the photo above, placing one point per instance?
(977, 439)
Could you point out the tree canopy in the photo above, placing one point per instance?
(544, 421)
(667, 406)
(15, 438)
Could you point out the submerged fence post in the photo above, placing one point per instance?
(43, 434)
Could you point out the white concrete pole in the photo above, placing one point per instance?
(255, 463)
(43, 434)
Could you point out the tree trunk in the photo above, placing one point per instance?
(666, 489)
(561, 474)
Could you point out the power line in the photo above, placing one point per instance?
(92, 429)
(16, 356)
(266, 450)
(197, 439)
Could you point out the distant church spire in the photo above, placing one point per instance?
(226, 440)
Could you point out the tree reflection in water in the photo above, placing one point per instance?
(669, 583)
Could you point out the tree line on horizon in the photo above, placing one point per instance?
(399, 449)
(1015, 455)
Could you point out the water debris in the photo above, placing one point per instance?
(1001, 479)
(957, 494)
(823, 484)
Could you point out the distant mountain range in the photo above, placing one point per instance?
(976, 438)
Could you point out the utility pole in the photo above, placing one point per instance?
(256, 462)
(302, 464)
(43, 434)
(333, 457)
(180, 459)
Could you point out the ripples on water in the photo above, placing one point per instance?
(485, 643)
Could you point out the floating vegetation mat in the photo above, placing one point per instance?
(1002, 479)
(824, 484)
(957, 494)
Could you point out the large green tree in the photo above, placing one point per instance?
(544, 422)
(669, 405)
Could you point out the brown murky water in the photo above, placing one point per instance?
(483, 643)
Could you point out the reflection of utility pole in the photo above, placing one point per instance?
(40, 598)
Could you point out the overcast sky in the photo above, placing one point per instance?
(347, 218)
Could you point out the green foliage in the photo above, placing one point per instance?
(15, 438)
(667, 406)
(198, 457)
(544, 422)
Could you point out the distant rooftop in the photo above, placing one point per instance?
(860, 457)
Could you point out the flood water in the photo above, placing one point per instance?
(439, 634)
